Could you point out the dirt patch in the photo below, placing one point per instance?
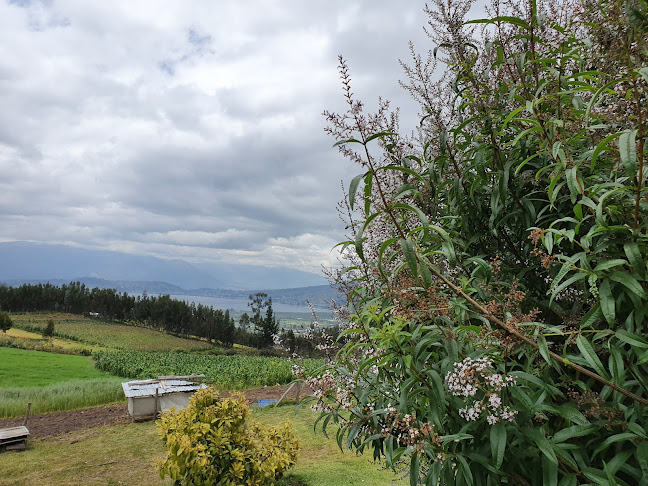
(48, 424)
(51, 424)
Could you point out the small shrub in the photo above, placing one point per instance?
(213, 441)
(5, 321)
(49, 329)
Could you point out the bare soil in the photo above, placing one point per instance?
(57, 423)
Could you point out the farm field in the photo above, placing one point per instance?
(52, 382)
(231, 372)
(19, 338)
(56, 382)
(22, 368)
(107, 335)
(126, 454)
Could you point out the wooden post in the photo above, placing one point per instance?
(284, 395)
(27, 414)
(299, 389)
(157, 403)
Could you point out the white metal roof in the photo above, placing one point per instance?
(147, 389)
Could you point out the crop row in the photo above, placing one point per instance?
(231, 372)
(117, 336)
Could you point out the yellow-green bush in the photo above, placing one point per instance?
(214, 441)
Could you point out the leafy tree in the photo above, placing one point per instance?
(5, 321)
(497, 266)
(48, 331)
(244, 321)
(263, 318)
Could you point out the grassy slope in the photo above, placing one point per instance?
(20, 368)
(109, 335)
(125, 454)
(52, 382)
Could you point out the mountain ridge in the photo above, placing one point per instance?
(27, 261)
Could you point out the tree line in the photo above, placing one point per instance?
(186, 319)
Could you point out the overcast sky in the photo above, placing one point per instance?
(188, 129)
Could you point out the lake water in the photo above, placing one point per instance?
(241, 305)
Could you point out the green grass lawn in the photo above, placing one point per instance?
(126, 454)
(21, 368)
(52, 382)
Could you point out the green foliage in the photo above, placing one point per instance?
(5, 321)
(214, 441)
(516, 232)
(264, 320)
(235, 372)
(48, 331)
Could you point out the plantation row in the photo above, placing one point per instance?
(90, 331)
(233, 372)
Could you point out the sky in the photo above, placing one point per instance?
(189, 129)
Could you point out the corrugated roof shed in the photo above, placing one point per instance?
(148, 388)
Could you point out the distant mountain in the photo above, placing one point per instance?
(22, 262)
(136, 287)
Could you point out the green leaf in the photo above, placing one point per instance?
(568, 282)
(358, 244)
(348, 140)
(498, 443)
(544, 349)
(502, 19)
(424, 220)
(607, 302)
(609, 264)
(414, 469)
(602, 147)
(625, 436)
(410, 256)
(549, 472)
(434, 474)
(353, 187)
(453, 437)
(593, 315)
(405, 190)
(575, 431)
(628, 151)
(380, 135)
(426, 275)
(464, 468)
(629, 282)
(586, 349)
(631, 339)
(573, 183)
(405, 170)
(635, 258)
(368, 180)
(538, 436)
(572, 414)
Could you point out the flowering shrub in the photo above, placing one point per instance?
(213, 441)
(497, 266)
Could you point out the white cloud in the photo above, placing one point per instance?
(186, 129)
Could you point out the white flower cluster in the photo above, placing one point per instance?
(471, 376)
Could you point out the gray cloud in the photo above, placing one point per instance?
(187, 129)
